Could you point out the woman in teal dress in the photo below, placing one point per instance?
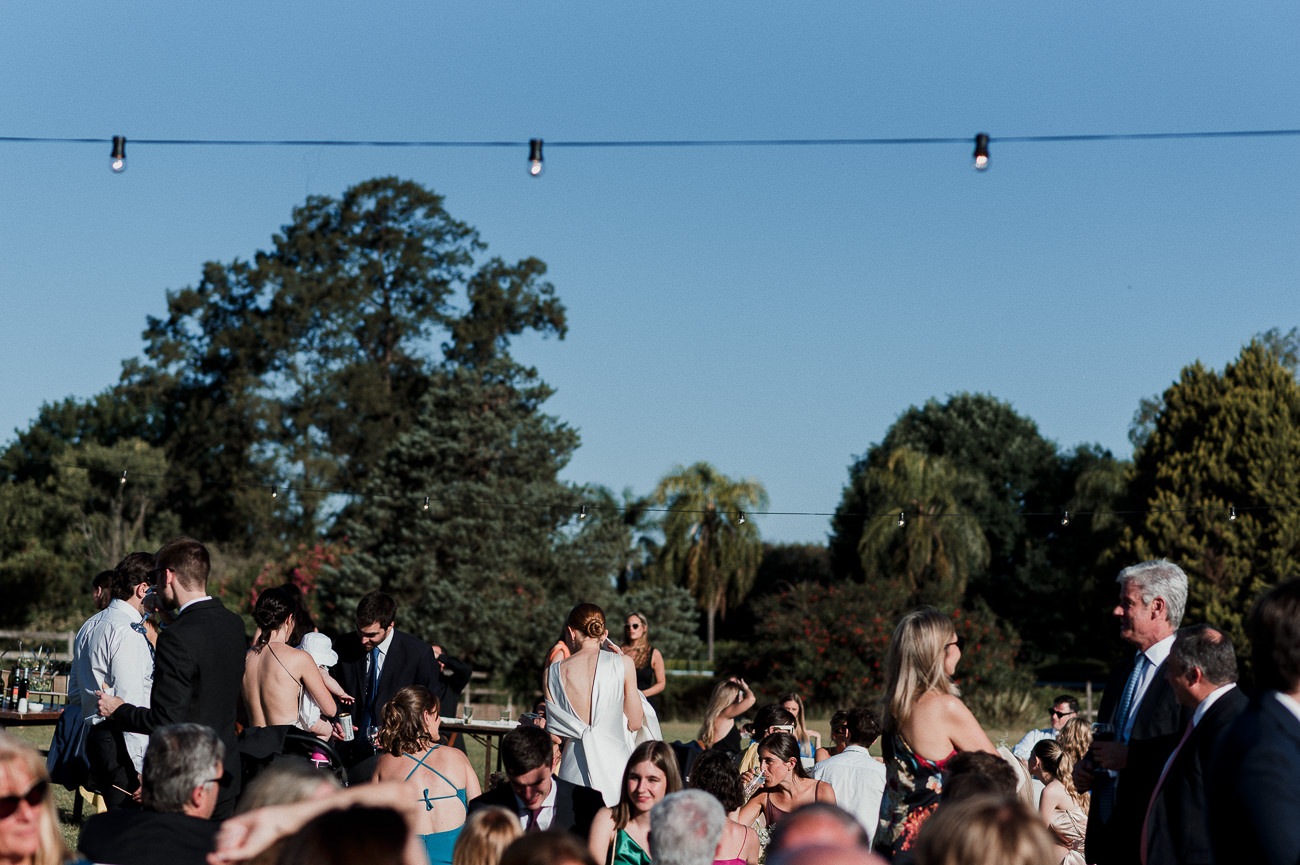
(620, 835)
(408, 738)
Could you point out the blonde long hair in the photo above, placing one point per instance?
(723, 696)
(17, 758)
(914, 664)
(1058, 763)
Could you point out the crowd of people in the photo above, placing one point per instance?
(187, 729)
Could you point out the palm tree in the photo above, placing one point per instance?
(936, 547)
(709, 546)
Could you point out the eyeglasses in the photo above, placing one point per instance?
(1056, 714)
(33, 797)
(959, 642)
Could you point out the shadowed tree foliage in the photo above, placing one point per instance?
(490, 570)
(1223, 440)
(708, 546)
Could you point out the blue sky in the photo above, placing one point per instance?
(770, 310)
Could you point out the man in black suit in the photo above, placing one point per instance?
(533, 793)
(199, 663)
(1202, 669)
(1140, 704)
(375, 662)
(1254, 797)
(182, 772)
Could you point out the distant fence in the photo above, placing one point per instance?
(61, 640)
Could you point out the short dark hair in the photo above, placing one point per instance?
(131, 572)
(769, 716)
(864, 727)
(523, 749)
(189, 560)
(376, 608)
(1274, 631)
(714, 772)
(973, 772)
(1201, 647)
(103, 580)
(1070, 702)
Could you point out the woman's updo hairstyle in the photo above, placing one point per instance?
(587, 620)
(274, 607)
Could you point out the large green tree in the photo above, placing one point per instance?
(1222, 441)
(491, 567)
(709, 546)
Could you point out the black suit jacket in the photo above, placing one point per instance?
(1157, 727)
(1254, 797)
(409, 661)
(197, 675)
(147, 838)
(1177, 831)
(575, 805)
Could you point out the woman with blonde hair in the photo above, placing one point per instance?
(487, 834)
(1075, 738)
(649, 663)
(592, 702)
(810, 742)
(621, 835)
(1062, 807)
(410, 728)
(988, 829)
(925, 723)
(29, 821)
(730, 700)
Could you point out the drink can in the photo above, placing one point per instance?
(345, 721)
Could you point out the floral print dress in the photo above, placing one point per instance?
(912, 788)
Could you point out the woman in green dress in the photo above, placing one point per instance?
(620, 835)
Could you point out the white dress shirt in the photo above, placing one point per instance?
(109, 655)
(858, 780)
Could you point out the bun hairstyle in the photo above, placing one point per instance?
(274, 607)
(587, 621)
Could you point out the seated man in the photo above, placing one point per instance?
(540, 800)
(1063, 709)
(182, 775)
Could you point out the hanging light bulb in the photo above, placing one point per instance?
(902, 519)
(981, 152)
(1232, 511)
(275, 492)
(122, 482)
(582, 512)
(1065, 518)
(741, 519)
(117, 160)
(535, 156)
(426, 503)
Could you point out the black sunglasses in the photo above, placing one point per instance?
(1056, 714)
(33, 797)
(959, 642)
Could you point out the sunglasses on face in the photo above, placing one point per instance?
(33, 797)
(959, 642)
(1056, 714)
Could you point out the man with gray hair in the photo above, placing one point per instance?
(1140, 706)
(182, 777)
(1202, 669)
(685, 828)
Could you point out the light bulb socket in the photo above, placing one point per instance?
(535, 156)
(981, 152)
(117, 159)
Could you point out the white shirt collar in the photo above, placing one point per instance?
(121, 609)
(1158, 652)
(1289, 703)
(1210, 700)
(192, 603)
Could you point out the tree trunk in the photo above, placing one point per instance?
(713, 608)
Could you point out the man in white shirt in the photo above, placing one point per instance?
(1063, 709)
(857, 778)
(113, 654)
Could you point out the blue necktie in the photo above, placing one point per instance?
(139, 628)
(1103, 790)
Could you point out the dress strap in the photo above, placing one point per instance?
(286, 670)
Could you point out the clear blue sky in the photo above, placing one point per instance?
(772, 310)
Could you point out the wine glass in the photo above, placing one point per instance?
(468, 712)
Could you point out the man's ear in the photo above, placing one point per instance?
(1158, 607)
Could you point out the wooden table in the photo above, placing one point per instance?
(29, 719)
(482, 732)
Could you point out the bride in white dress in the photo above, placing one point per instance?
(593, 702)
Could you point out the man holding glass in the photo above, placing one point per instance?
(1140, 719)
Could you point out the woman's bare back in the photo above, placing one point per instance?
(271, 690)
